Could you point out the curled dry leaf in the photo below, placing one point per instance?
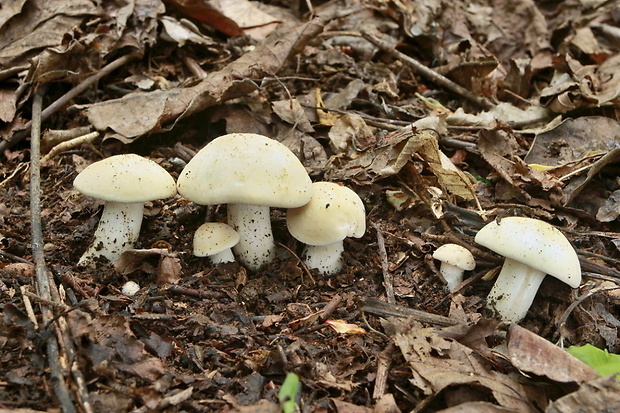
(342, 327)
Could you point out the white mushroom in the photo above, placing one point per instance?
(532, 249)
(215, 240)
(334, 213)
(454, 261)
(250, 173)
(125, 182)
(130, 288)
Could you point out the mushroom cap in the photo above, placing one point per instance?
(245, 168)
(214, 237)
(456, 255)
(125, 178)
(535, 243)
(334, 213)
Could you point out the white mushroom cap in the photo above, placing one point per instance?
(334, 213)
(455, 255)
(125, 178)
(454, 261)
(130, 288)
(214, 237)
(245, 168)
(535, 243)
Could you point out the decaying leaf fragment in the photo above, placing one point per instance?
(397, 150)
(437, 362)
(500, 150)
(111, 346)
(600, 395)
(141, 113)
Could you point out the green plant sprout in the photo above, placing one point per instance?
(602, 361)
(288, 393)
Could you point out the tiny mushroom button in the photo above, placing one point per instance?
(454, 261)
(124, 182)
(250, 173)
(334, 213)
(215, 240)
(532, 249)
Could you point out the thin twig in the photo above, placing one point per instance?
(42, 273)
(300, 261)
(67, 97)
(383, 309)
(429, 73)
(387, 278)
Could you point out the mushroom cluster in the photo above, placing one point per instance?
(249, 173)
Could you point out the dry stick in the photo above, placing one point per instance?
(70, 144)
(67, 97)
(384, 362)
(429, 73)
(387, 278)
(41, 271)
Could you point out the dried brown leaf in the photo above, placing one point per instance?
(600, 395)
(438, 362)
(141, 113)
(531, 353)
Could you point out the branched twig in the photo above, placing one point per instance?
(66, 98)
(42, 274)
(429, 73)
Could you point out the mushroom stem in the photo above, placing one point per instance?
(221, 257)
(452, 274)
(514, 290)
(256, 245)
(118, 230)
(326, 258)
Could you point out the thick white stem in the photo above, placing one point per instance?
(514, 290)
(256, 245)
(223, 256)
(117, 231)
(452, 274)
(325, 258)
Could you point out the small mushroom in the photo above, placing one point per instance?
(532, 249)
(130, 288)
(124, 182)
(215, 240)
(250, 173)
(454, 261)
(334, 213)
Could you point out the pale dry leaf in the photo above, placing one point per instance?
(342, 327)
(291, 112)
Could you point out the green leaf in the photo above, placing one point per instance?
(602, 361)
(288, 393)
